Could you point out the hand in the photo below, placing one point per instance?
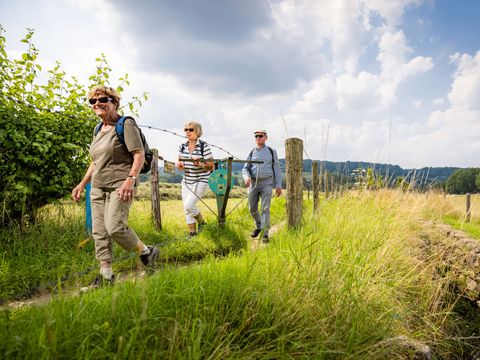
(125, 192)
(180, 165)
(196, 161)
(248, 181)
(278, 192)
(77, 192)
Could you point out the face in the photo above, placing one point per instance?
(190, 132)
(260, 138)
(103, 106)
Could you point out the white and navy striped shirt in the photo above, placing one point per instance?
(192, 173)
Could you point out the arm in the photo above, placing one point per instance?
(246, 171)
(207, 165)
(278, 175)
(180, 164)
(125, 192)
(78, 190)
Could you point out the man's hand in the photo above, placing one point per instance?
(278, 191)
(180, 165)
(248, 181)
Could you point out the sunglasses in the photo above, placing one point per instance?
(189, 129)
(259, 136)
(102, 100)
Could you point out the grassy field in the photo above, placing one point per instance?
(38, 258)
(351, 283)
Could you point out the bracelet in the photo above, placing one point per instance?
(132, 177)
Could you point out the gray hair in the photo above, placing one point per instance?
(197, 126)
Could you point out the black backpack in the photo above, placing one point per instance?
(249, 157)
(119, 129)
(202, 147)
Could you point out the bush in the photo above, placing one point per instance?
(463, 181)
(44, 132)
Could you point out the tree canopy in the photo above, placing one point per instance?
(45, 130)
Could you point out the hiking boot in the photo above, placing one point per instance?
(98, 282)
(151, 258)
(255, 233)
(265, 239)
(201, 226)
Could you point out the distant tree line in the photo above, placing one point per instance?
(463, 181)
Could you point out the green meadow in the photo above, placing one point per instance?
(353, 282)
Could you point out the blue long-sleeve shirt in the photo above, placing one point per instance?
(265, 170)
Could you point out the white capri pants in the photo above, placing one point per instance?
(190, 200)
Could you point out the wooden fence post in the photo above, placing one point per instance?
(468, 208)
(294, 180)
(315, 184)
(157, 217)
(320, 180)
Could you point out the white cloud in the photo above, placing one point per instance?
(454, 131)
(391, 11)
(417, 103)
(368, 92)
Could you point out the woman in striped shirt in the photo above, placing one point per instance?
(196, 173)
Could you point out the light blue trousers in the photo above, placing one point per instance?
(261, 190)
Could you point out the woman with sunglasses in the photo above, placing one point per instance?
(113, 172)
(196, 173)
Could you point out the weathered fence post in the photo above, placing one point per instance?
(294, 180)
(468, 208)
(157, 217)
(315, 184)
(320, 180)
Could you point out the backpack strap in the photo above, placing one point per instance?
(273, 162)
(120, 128)
(202, 147)
(249, 157)
(273, 157)
(97, 128)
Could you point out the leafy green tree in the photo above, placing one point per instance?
(45, 130)
(463, 181)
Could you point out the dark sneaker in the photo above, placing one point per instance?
(151, 258)
(191, 235)
(265, 239)
(255, 233)
(98, 282)
(201, 226)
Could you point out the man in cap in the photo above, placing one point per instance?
(260, 180)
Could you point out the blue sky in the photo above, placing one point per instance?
(393, 81)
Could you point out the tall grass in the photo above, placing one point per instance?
(345, 285)
(36, 259)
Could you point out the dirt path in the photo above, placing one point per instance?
(134, 275)
(256, 244)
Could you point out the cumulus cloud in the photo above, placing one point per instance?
(454, 131)
(366, 91)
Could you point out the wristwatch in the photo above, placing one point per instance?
(132, 177)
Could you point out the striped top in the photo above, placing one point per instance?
(192, 173)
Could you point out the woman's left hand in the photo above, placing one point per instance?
(125, 192)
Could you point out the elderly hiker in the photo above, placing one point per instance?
(113, 172)
(260, 180)
(196, 173)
